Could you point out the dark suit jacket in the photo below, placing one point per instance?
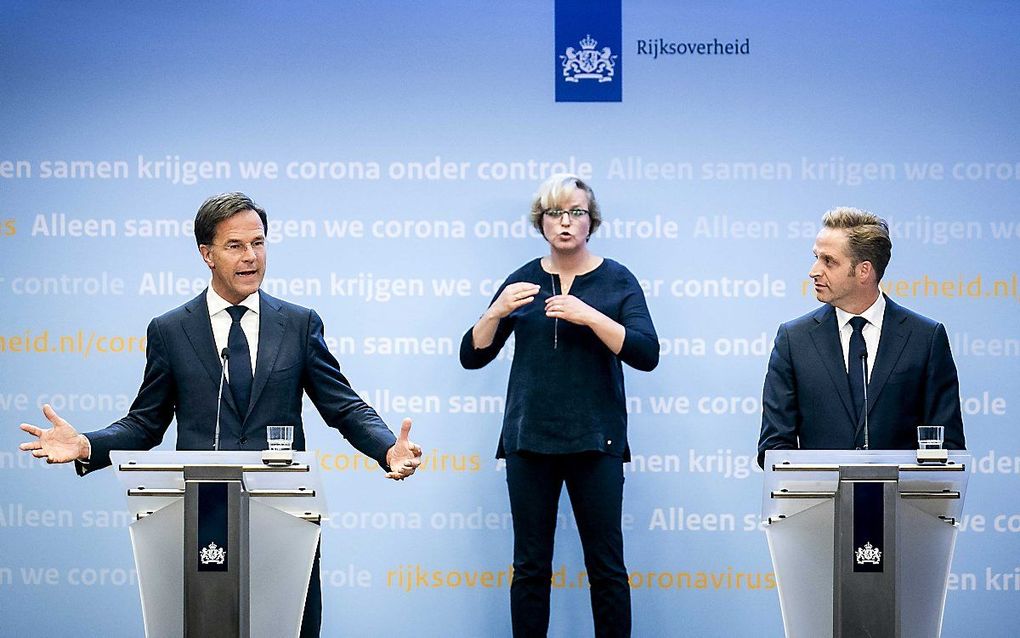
(806, 401)
(182, 372)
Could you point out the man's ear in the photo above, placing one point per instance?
(866, 269)
(206, 255)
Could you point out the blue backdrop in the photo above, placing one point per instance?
(396, 147)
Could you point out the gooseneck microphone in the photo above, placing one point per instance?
(864, 373)
(224, 356)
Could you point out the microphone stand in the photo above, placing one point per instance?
(864, 372)
(224, 356)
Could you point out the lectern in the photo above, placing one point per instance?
(223, 542)
(862, 540)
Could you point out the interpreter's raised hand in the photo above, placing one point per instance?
(513, 297)
(404, 456)
(570, 308)
(59, 444)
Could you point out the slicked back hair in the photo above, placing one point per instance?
(867, 237)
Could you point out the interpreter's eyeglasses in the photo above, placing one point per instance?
(241, 247)
(556, 213)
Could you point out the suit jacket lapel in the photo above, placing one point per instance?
(272, 326)
(198, 328)
(826, 338)
(890, 346)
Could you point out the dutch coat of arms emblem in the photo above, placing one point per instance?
(212, 553)
(588, 63)
(869, 554)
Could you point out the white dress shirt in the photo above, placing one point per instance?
(872, 330)
(220, 319)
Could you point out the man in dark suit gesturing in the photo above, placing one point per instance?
(275, 351)
(861, 342)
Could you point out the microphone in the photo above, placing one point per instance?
(224, 356)
(864, 371)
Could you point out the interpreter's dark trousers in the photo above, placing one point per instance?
(595, 486)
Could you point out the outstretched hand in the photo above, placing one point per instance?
(404, 456)
(59, 444)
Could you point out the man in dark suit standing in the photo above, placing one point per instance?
(273, 352)
(860, 343)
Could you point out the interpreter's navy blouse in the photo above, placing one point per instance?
(565, 393)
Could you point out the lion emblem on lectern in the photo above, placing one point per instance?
(869, 554)
(213, 554)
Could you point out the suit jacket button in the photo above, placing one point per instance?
(242, 440)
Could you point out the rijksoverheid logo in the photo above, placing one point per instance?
(588, 52)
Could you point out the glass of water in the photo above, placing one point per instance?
(280, 437)
(929, 437)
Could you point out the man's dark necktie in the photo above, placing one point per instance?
(855, 363)
(240, 360)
